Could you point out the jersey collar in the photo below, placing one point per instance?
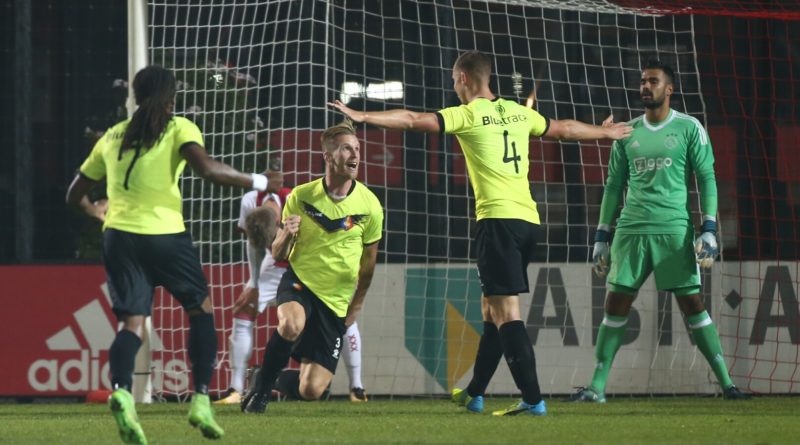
(661, 124)
(352, 186)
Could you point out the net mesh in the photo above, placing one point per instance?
(255, 76)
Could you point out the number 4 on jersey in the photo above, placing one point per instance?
(515, 157)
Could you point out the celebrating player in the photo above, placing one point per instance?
(331, 228)
(654, 231)
(256, 222)
(145, 243)
(494, 134)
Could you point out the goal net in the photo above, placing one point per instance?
(256, 75)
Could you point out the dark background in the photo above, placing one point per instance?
(747, 69)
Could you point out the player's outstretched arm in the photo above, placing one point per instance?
(223, 174)
(573, 130)
(368, 259)
(398, 119)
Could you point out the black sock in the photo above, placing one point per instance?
(276, 356)
(490, 351)
(202, 350)
(122, 357)
(288, 384)
(521, 361)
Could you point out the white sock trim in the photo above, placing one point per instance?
(614, 324)
(702, 323)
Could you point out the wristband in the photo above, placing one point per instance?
(602, 234)
(259, 182)
(709, 225)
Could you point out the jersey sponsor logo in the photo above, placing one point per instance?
(90, 370)
(505, 120)
(501, 110)
(332, 225)
(641, 165)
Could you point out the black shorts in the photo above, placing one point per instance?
(321, 340)
(136, 264)
(505, 247)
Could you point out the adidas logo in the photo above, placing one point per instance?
(89, 371)
(635, 144)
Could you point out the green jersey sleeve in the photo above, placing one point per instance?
(615, 184)
(701, 160)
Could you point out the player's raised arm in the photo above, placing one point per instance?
(284, 240)
(572, 130)
(398, 119)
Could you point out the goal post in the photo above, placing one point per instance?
(137, 59)
(256, 76)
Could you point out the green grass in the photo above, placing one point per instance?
(679, 420)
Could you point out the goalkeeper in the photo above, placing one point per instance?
(654, 231)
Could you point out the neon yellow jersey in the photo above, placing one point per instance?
(327, 253)
(494, 136)
(147, 199)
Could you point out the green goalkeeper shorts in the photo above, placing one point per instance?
(670, 257)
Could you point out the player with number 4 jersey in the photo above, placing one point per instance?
(494, 133)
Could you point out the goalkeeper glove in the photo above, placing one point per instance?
(706, 248)
(601, 253)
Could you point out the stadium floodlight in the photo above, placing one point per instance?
(381, 91)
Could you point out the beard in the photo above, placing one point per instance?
(652, 103)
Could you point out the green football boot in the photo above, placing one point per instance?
(123, 408)
(201, 416)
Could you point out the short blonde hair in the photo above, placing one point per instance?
(261, 226)
(330, 134)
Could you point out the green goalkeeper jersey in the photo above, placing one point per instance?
(656, 163)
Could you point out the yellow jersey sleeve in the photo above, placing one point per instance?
(186, 131)
(373, 230)
(455, 119)
(539, 123)
(94, 167)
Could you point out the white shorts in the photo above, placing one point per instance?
(268, 281)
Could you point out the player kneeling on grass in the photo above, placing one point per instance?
(145, 242)
(331, 228)
(260, 225)
(654, 231)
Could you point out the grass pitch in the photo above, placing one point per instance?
(679, 420)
